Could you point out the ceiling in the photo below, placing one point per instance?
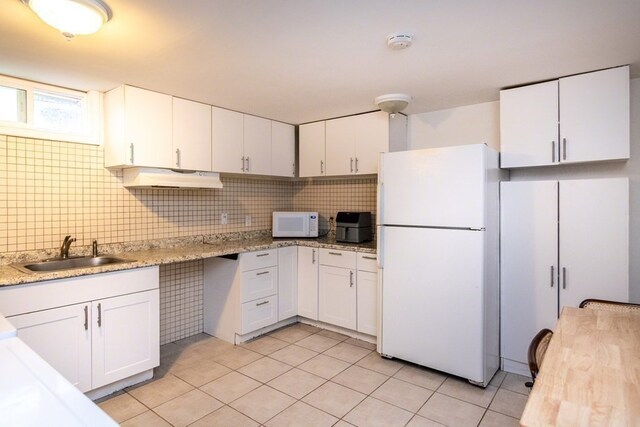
(304, 60)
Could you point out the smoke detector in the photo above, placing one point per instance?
(399, 41)
(392, 103)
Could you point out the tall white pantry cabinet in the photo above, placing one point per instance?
(561, 242)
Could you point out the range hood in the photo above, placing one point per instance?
(169, 178)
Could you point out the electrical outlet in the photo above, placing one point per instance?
(224, 218)
(247, 220)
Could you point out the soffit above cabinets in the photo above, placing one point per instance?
(302, 61)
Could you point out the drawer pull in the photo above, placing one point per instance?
(262, 303)
(259, 255)
(335, 253)
(369, 257)
(261, 273)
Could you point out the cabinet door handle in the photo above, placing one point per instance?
(335, 253)
(564, 278)
(564, 148)
(351, 279)
(553, 151)
(369, 257)
(356, 165)
(351, 164)
(262, 303)
(313, 256)
(86, 318)
(177, 157)
(293, 169)
(552, 276)
(99, 314)
(261, 273)
(131, 153)
(321, 167)
(259, 255)
(248, 165)
(242, 163)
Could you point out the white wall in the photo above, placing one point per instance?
(481, 123)
(471, 124)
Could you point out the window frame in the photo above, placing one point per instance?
(91, 102)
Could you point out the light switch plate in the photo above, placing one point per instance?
(247, 220)
(224, 218)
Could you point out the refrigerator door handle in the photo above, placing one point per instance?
(380, 254)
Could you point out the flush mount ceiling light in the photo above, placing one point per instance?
(392, 103)
(72, 17)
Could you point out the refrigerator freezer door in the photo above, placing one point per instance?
(438, 187)
(432, 299)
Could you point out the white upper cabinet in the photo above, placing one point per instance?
(595, 116)
(354, 143)
(138, 128)
(150, 129)
(312, 149)
(227, 140)
(372, 138)
(283, 149)
(351, 144)
(341, 146)
(191, 135)
(529, 125)
(257, 145)
(574, 119)
(241, 143)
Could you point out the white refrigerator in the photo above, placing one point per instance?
(438, 257)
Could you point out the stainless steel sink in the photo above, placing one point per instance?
(60, 264)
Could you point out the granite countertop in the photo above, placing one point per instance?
(206, 248)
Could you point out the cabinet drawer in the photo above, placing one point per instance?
(335, 258)
(259, 313)
(368, 262)
(259, 259)
(259, 283)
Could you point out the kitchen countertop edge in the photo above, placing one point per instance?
(10, 276)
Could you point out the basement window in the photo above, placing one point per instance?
(13, 105)
(37, 110)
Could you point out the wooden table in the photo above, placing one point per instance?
(590, 375)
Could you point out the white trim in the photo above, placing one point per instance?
(92, 114)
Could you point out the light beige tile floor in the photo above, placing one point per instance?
(305, 376)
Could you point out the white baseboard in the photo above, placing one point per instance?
(514, 367)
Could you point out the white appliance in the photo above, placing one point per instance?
(438, 222)
(295, 224)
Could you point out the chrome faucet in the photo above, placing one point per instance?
(64, 249)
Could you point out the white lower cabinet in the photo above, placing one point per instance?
(61, 336)
(124, 336)
(367, 301)
(94, 330)
(240, 295)
(258, 314)
(287, 282)
(337, 296)
(308, 282)
(342, 290)
(561, 242)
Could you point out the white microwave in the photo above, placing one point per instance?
(295, 224)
